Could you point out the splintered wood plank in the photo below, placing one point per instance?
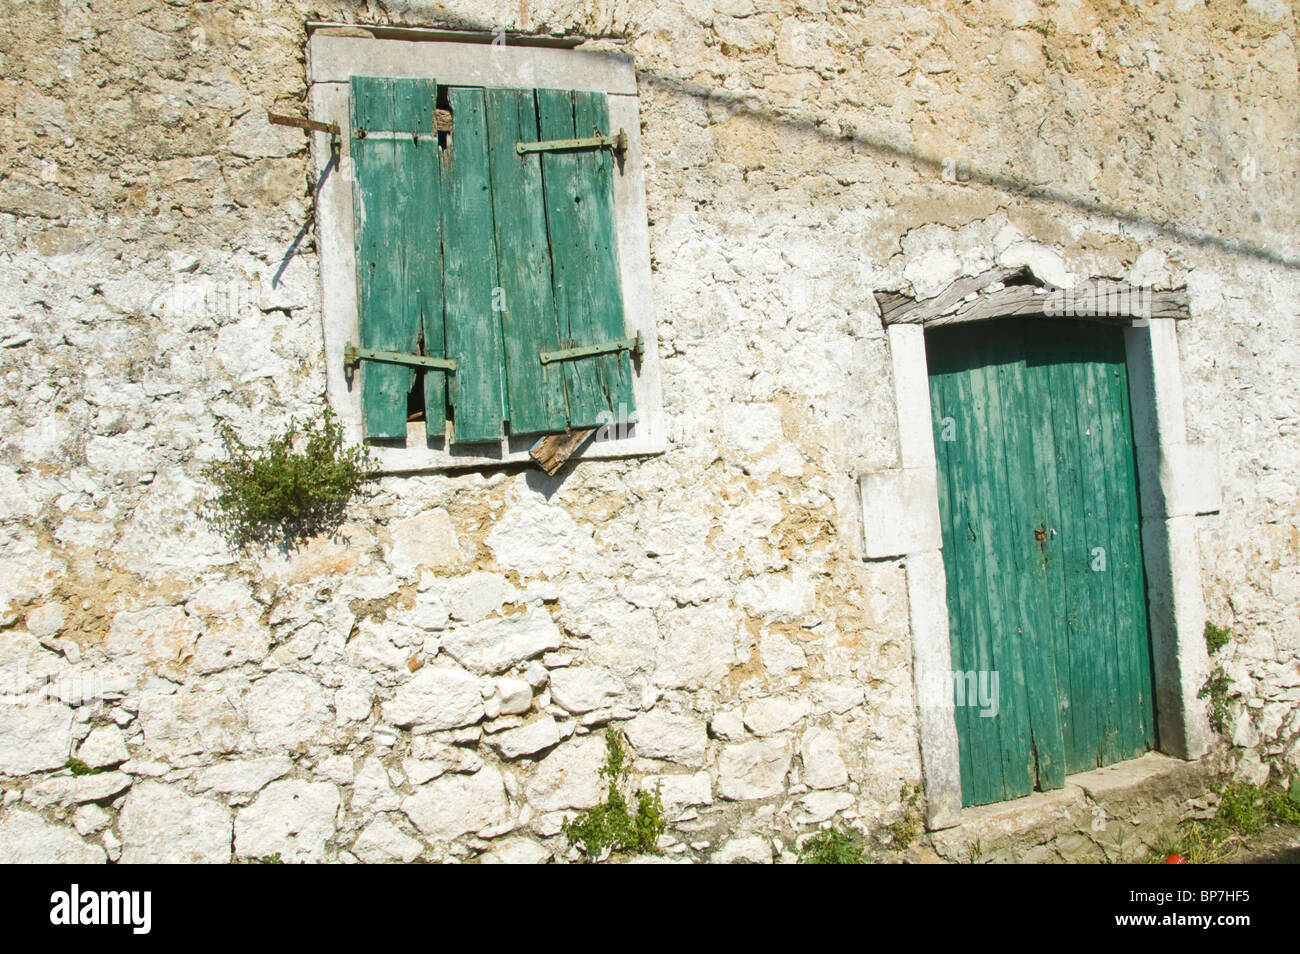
(473, 330)
(584, 251)
(526, 304)
(553, 451)
(398, 252)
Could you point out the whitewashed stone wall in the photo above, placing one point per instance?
(431, 682)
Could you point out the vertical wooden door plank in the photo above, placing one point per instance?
(1096, 544)
(974, 617)
(956, 558)
(1125, 563)
(398, 252)
(1052, 712)
(473, 330)
(526, 305)
(1081, 744)
(1033, 638)
(1113, 624)
(1003, 592)
(1135, 573)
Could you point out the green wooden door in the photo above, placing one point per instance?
(1046, 596)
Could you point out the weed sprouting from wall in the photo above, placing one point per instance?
(1218, 685)
(835, 846)
(612, 827)
(1216, 637)
(296, 486)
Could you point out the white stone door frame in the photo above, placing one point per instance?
(1176, 481)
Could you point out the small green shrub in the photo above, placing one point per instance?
(1283, 805)
(1216, 691)
(904, 831)
(1244, 809)
(1216, 637)
(835, 846)
(1241, 808)
(612, 826)
(296, 486)
(78, 767)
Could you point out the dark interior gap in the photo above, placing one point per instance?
(443, 101)
(415, 406)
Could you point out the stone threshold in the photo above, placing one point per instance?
(1111, 814)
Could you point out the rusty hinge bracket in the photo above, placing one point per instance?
(616, 144)
(634, 345)
(353, 356)
(311, 125)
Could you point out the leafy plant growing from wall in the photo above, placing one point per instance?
(905, 831)
(1216, 637)
(612, 826)
(295, 486)
(1218, 685)
(835, 846)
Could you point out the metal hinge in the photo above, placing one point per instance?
(616, 144)
(311, 125)
(634, 345)
(353, 356)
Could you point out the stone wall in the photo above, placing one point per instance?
(431, 681)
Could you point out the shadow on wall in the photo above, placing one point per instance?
(736, 103)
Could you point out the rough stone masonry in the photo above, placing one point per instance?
(431, 682)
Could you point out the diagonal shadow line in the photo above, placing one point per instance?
(302, 232)
(737, 104)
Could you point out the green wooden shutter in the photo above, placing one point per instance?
(584, 251)
(470, 275)
(398, 253)
(489, 257)
(527, 301)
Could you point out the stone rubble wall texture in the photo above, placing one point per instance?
(431, 682)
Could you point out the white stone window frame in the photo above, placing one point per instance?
(1177, 481)
(335, 55)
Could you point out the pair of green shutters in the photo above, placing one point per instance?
(469, 250)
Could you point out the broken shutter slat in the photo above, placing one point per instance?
(584, 251)
(398, 254)
(470, 275)
(526, 303)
